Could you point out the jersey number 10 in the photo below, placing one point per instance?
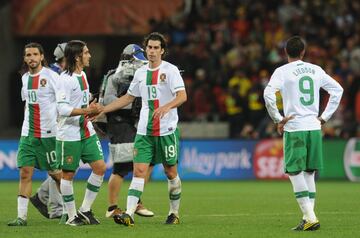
(32, 96)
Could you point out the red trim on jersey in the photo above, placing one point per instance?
(84, 82)
(87, 132)
(37, 128)
(156, 121)
(154, 78)
(36, 107)
(35, 82)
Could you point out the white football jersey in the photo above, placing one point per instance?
(39, 92)
(299, 83)
(73, 92)
(156, 87)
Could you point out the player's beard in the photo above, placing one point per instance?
(33, 65)
(85, 63)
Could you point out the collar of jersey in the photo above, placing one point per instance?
(154, 69)
(33, 75)
(77, 75)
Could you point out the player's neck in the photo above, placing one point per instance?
(293, 59)
(78, 69)
(36, 70)
(154, 64)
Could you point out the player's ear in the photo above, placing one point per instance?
(302, 53)
(41, 57)
(162, 51)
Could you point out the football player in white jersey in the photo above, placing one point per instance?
(37, 143)
(47, 195)
(299, 83)
(121, 125)
(76, 138)
(162, 90)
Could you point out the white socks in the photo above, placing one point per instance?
(135, 190)
(67, 192)
(93, 186)
(22, 207)
(310, 182)
(301, 192)
(174, 188)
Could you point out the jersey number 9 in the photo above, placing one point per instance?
(306, 86)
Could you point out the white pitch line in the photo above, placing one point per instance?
(262, 214)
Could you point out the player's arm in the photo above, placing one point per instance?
(23, 89)
(177, 87)
(119, 103)
(270, 97)
(335, 91)
(92, 109)
(64, 108)
(180, 98)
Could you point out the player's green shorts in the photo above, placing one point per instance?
(157, 149)
(303, 151)
(38, 153)
(70, 152)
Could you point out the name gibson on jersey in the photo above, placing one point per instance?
(304, 70)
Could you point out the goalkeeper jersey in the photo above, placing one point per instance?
(156, 87)
(73, 92)
(38, 92)
(299, 83)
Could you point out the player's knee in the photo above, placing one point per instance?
(140, 172)
(170, 174)
(100, 168)
(25, 174)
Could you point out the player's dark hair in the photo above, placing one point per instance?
(156, 36)
(25, 67)
(73, 50)
(294, 46)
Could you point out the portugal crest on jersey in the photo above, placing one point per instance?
(43, 82)
(162, 78)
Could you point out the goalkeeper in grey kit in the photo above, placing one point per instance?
(121, 125)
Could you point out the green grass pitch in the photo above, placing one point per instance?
(208, 209)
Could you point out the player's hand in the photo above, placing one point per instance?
(94, 109)
(280, 125)
(322, 121)
(99, 117)
(160, 112)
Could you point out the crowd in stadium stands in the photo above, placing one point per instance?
(228, 50)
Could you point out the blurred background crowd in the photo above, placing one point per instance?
(228, 49)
